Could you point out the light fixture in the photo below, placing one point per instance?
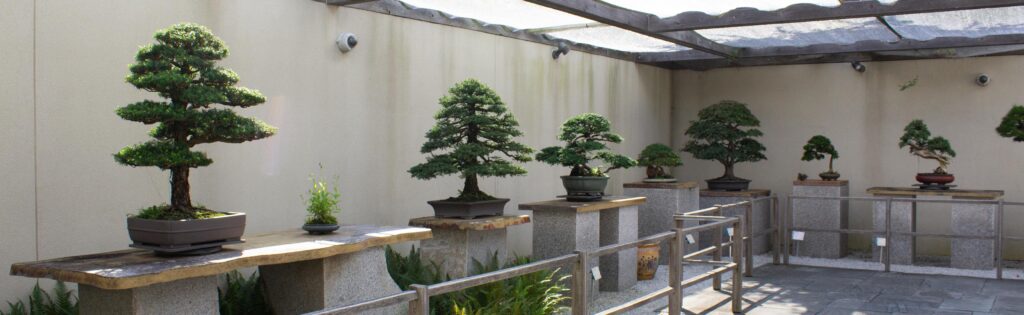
(562, 49)
(346, 42)
(982, 79)
(860, 67)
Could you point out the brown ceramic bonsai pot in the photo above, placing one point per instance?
(468, 209)
(829, 175)
(186, 237)
(934, 179)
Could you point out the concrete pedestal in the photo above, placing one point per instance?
(561, 227)
(664, 200)
(311, 285)
(759, 221)
(974, 220)
(187, 296)
(821, 214)
(458, 242)
(904, 219)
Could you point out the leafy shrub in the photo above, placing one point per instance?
(322, 203)
(62, 302)
(585, 136)
(242, 296)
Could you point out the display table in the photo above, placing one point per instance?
(821, 214)
(967, 219)
(302, 273)
(561, 227)
(759, 221)
(457, 242)
(664, 200)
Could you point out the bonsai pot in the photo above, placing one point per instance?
(186, 237)
(660, 180)
(584, 188)
(728, 184)
(320, 229)
(934, 179)
(468, 209)
(829, 175)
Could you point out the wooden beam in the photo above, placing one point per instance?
(635, 21)
(804, 12)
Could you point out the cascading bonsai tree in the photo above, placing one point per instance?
(656, 157)
(816, 149)
(1012, 125)
(920, 142)
(726, 132)
(473, 137)
(585, 137)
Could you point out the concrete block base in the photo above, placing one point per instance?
(904, 219)
(822, 214)
(561, 232)
(759, 222)
(455, 250)
(618, 270)
(188, 296)
(664, 201)
(975, 220)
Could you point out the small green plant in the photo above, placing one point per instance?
(1012, 125)
(816, 149)
(322, 203)
(725, 132)
(585, 136)
(61, 302)
(243, 296)
(921, 143)
(909, 84)
(656, 157)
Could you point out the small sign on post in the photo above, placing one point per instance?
(880, 242)
(798, 236)
(728, 231)
(689, 239)
(596, 272)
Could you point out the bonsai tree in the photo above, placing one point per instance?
(725, 132)
(656, 157)
(1012, 125)
(585, 136)
(472, 137)
(181, 67)
(921, 143)
(816, 149)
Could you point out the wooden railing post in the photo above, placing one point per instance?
(581, 284)
(717, 256)
(999, 240)
(748, 247)
(777, 236)
(737, 254)
(888, 234)
(675, 272)
(421, 305)
(787, 216)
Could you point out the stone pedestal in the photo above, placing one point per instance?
(187, 296)
(758, 223)
(664, 200)
(312, 285)
(561, 227)
(458, 242)
(821, 214)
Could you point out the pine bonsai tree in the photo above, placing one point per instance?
(474, 130)
(917, 137)
(656, 157)
(816, 149)
(725, 132)
(585, 136)
(181, 67)
(1012, 125)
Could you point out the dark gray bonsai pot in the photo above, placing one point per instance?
(186, 237)
(468, 209)
(728, 184)
(584, 188)
(320, 229)
(829, 175)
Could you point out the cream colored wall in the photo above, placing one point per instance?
(361, 114)
(864, 115)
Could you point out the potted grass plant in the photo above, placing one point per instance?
(473, 137)
(585, 139)
(920, 142)
(657, 157)
(181, 67)
(321, 205)
(726, 132)
(816, 149)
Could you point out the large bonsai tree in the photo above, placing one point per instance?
(656, 157)
(585, 136)
(1012, 125)
(921, 143)
(725, 132)
(474, 130)
(181, 68)
(816, 149)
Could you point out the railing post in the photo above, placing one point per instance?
(777, 235)
(737, 254)
(675, 272)
(717, 256)
(786, 217)
(421, 305)
(748, 247)
(999, 240)
(888, 234)
(580, 284)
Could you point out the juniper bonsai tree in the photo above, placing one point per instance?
(656, 157)
(474, 131)
(921, 143)
(181, 67)
(816, 149)
(1012, 125)
(725, 132)
(585, 136)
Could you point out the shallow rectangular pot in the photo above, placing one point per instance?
(183, 235)
(468, 209)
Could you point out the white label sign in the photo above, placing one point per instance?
(689, 239)
(798, 235)
(880, 242)
(596, 272)
(728, 231)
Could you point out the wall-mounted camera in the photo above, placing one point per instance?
(982, 79)
(562, 49)
(346, 42)
(859, 67)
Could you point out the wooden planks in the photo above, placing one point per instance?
(478, 224)
(955, 193)
(561, 204)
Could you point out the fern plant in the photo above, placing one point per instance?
(538, 293)
(242, 296)
(61, 302)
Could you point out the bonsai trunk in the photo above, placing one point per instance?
(471, 186)
(728, 171)
(181, 200)
(830, 164)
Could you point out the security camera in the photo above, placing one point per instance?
(346, 42)
(859, 67)
(562, 49)
(982, 80)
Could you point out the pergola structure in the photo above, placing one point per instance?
(860, 30)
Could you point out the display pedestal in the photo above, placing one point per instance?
(759, 221)
(664, 200)
(821, 214)
(458, 242)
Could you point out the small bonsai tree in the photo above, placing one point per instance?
(656, 157)
(322, 203)
(816, 149)
(921, 143)
(181, 67)
(725, 132)
(474, 130)
(585, 136)
(1012, 125)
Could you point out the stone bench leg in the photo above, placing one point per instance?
(975, 220)
(618, 270)
(188, 296)
(903, 220)
(305, 286)
(561, 232)
(824, 214)
(454, 250)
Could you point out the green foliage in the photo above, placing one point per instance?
(473, 136)
(919, 139)
(909, 84)
(181, 67)
(322, 203)
(658, 154)
(725, 132)
(1012, 125)
(61, 302)
(817, 147)
(585, 136)
(163, 212)
(412, 269)
(243, 296)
